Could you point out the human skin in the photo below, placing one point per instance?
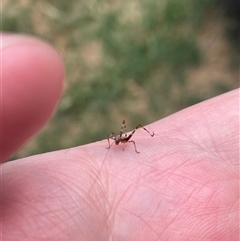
(183, 185)
(32, 81)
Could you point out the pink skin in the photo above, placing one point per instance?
(182, 186)
(32, 82)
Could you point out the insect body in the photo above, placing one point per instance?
(122, 137)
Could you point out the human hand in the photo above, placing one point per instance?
(182, 186)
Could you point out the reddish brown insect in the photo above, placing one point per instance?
(123, 137)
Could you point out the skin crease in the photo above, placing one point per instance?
(182, 186)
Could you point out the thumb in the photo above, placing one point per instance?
(32, 81)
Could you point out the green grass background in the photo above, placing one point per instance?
(138, 60)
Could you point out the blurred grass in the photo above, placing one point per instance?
(124, 60)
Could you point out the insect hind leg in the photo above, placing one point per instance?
(140, 126)
(123, 129)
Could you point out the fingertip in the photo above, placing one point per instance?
(32, 83)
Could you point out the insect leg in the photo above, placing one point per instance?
(140, 126)
(111, 136)
(123, 129)
(134, 146)
(129, 137)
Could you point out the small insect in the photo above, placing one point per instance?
(123, 137)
